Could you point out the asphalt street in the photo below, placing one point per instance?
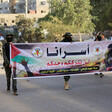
(88, 94)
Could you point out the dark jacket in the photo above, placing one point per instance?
(67, 40)
(6, 54)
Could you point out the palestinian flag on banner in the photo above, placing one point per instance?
(20, 54)
(14, 51)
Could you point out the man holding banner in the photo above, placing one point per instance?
(67, 38)
(7, 65)
(42, 60)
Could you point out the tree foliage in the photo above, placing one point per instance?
(75, 13)
(29, 29)
(102, 11)
(55, 28)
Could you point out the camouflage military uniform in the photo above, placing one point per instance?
(6, 57)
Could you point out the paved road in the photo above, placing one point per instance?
(88, 94)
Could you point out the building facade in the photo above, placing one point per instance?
(18, 6)
(9, 9)
(4, 6)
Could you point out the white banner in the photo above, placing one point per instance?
(60, 59)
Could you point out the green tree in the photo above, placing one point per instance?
(75, 13)
(30, 31)
(102, 12)
(106, 17)
(55, 28)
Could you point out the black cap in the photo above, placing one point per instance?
(67, 34)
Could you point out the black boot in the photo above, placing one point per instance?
(15, 93)
(101, 75)
(8, 89)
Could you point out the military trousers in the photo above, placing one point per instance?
(66, 78)
(8, 79)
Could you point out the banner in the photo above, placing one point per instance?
(39, 60)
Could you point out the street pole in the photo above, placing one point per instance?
(26, 10)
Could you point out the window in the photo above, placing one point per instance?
(43, 11)
(12, 21)
(2, 20)
(43, 3)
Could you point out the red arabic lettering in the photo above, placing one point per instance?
(69, 62)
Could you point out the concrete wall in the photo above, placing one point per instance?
(10, 19)
(42, 7)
